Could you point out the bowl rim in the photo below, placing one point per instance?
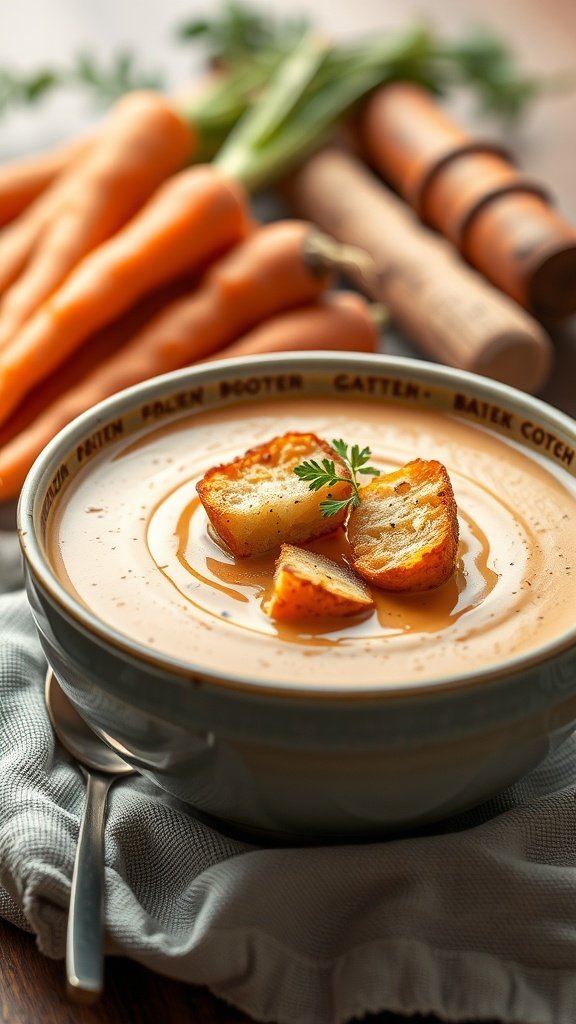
(311, 360)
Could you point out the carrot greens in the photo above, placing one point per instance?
(313, 86)
(245, 47)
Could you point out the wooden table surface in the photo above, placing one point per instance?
(544, 38)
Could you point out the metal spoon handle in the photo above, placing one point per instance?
(84, 941)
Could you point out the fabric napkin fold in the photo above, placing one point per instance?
(474, 920)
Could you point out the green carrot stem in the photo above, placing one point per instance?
(250, 153)
(279, 105)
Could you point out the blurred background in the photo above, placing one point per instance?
(142, 41)
(36, 35)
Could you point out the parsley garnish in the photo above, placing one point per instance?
(324, 473)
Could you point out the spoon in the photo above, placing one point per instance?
(102, 766)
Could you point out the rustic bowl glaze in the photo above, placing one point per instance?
(276, 761)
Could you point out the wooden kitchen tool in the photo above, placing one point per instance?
(438, 301)
(468, 189)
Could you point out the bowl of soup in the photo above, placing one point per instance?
(314, 729)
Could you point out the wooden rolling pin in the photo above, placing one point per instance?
(501, 221)
(439, 302)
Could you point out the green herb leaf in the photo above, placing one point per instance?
(306, 84)
(331, 507)
(239, 32)
(109, 83)
(318, 475)
(341, 448)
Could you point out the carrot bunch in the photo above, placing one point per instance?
(261, 296)
(128, 262)
(134, 250)
(125, 254)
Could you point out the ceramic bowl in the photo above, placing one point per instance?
(276, 761)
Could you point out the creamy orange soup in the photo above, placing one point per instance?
(129, 539)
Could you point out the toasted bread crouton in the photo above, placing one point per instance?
(257, 502)
(307, 585)
(404, 534)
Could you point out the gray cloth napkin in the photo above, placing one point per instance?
(475, 920)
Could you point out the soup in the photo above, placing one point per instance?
(129, 539)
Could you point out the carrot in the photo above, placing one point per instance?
(97, 348)
(145, 141)
(22, 180)
(191, 219)
(262, 276)
(339, 321)
(18, 239)
(336, 320)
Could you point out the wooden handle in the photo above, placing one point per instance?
(447, 309)
(520, 243)
(404, 136)
(470, 191)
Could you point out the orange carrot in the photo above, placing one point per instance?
(23, 179)
(191, 219)
(262, 276)
(97, 348)
(17, 240)
(339, 321)
(144, 142)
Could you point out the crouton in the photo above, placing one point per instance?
(256, 502)
(404, 533)
(307, 585)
